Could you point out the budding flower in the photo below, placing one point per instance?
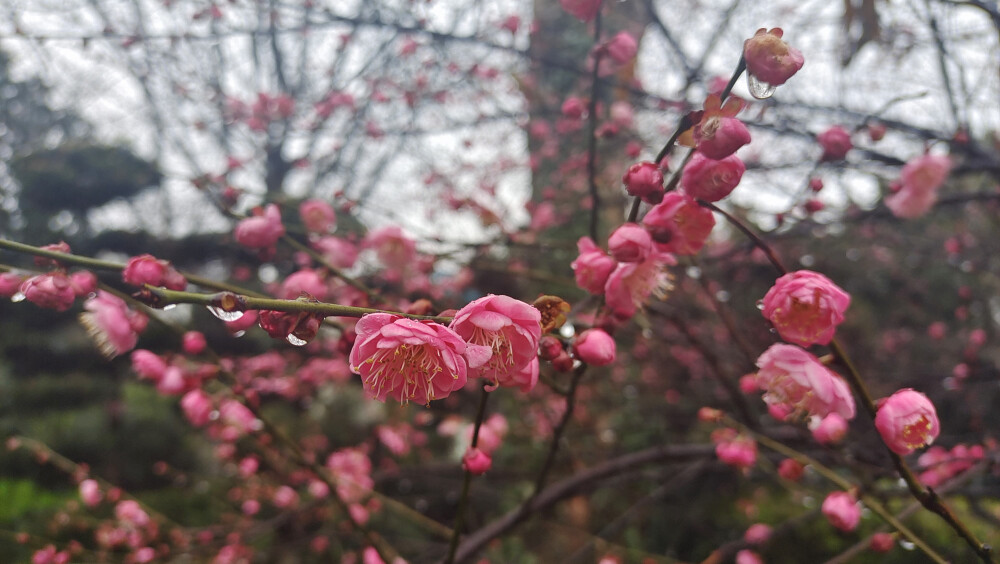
(907, 421)
(769, 58)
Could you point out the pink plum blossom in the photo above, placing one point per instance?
(747, 556)
(10, 283)
(476, 461)
(341, 253)
(197, 407)
(805, 307)
(84, 282)
(407, 360)
(353, 470)
(632, 283)
(595, 347)
(148, 365)
(719, 136)
(622, 47)
(919, 183)
(501, 334)
(147, 269)
(769, 58)
(317, 216)
(583, 10)
(305, 281)
(630, 243)
(592, 267)
(53, 290)
(734, 449)
(711, 180)
(842, 511)
(394, 249)
(90, 492)
(644, 180)
(193, 342)
(836, 142)
(113, 326)
(262, 230)
(830, 430)
(679, 225)
(574, 108)
(795, 379)
(907, 421)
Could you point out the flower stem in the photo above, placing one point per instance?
(466, 481)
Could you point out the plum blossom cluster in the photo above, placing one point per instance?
(494, 338)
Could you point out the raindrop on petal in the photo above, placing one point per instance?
(760, 305)
(18, 297)
(758, 88)
(169, 307)
(239, 334)
(295, 340)
(223, 314)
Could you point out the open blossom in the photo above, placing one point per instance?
(317, 216)
(836, 142)
(53, 290)
(262, 230)
(630, 243)
(595, 347)
(353, 469)
(921, 178)
(501, 334)
(805, 307)
(341, 253)
(407, 360)
(644, 180)
(393, 248)
(632, 283)
(842, 511)
(711, 180)
(907, 421)
(678, 224)
(592, 267)
(113, 326)
(797, 380)
(769, 58)
(197, 407)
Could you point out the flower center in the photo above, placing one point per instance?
(411, 366)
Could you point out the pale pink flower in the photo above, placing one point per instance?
(524, 379)
(592, 267)
(622, 47)
(174, 381)
(193, 342)
(583, 10)
(630, 243)
(746, 556)
(53, 290)
(622, 114)
(830, 430)
(882, 542)
(769, 58)
(341, 253)
(476, 461)
(711, 180)
(805, 307)
(842, 511)
(907, 421)
(144, 555)
(632, 283)
(595, 347)
(573, 108)
(679, 225)
(317, 216)
(794, 379)
(285, 497)
(393, 248)
(836, 142)
(90, 492)
(644, 180)
(407, 360)
(758, 533)
(237, 418)
(113, 326)
(131, 512)
(262, 230)
(197, 407)
(84, 282)
(921, 178)
(502, 336)
(352, 470)
(10, 283)
(148, 365)
(719, 136)
(306, 281)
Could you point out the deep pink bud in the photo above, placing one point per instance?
(261, 231)
(769, 59)
(148, 365)
(90, 492)
(144, 269)
(882, 542)
(317, 216)
(747, 556)
(10, 283)
(84, 282)
(592, 267)
(791, 469)
(678, 224)
(574, 108)
(194, 342)
(644, 180)
(830, 430)
(842, 511)
(549, 347)
(836, 142)
(595, 347)
(739, 451)
(758, 533)
(622, 47)
(476, 461)
(630, 243)
(805, 307)
(711, 180)
(53, 291)
(719, 136)
(907, 421)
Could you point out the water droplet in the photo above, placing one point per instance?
(760, 304)
(807, 260)
(257, 425)
(693, 272)
(567, 331)
(722, 296)
(239, 333)
(295, 340)
(758, 88)
(214, 415)
(223, 314)
(169, 307)
(907, 545)
(18, 297)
